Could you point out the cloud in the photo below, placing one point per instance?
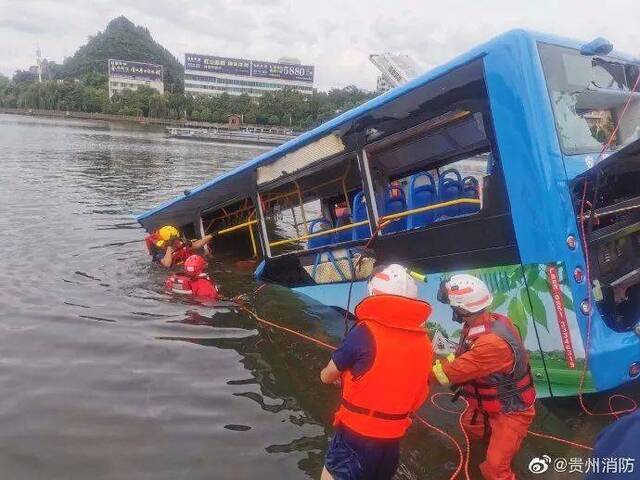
(336, 36)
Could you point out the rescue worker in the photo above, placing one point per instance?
(167, 247)
(193, 281)
(383, 365)
(491, 369)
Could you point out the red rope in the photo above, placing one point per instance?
(463, 456)
(585, 247)
(294, 332)
(467, 443)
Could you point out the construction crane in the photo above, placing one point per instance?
(395, 69)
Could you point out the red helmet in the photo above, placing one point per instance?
(195, 265)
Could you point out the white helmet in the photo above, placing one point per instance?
(392, 280)
(468, 293)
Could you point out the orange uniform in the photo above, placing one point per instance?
(492, 368)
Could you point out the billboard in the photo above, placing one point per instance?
(208, 63)
(136, 70)
(303, 73)
(248, 68)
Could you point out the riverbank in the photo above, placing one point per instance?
(112, 118)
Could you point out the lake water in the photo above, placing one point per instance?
(102, 376)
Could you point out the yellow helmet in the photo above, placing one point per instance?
(168, 232)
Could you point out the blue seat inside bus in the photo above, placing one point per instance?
(421, 196)
(318, 225)
(343, 235)
(450, 188)
(359, 213)
(395, 201)
(470, 189)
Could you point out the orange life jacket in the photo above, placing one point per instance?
(500, 392)
(378, 403)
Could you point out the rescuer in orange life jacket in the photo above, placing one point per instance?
(491, 367)
(167, 247)
(383, 365)
(193, 281)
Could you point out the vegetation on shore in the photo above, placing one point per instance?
(80, 84)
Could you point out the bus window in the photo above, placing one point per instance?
(587, 95)
(317, 208)
(434, 176)
(235, 228)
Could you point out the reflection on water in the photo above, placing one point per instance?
(103, 376)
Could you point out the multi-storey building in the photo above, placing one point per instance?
(126, 75)
(213, 75)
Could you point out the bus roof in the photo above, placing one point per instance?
(240, 181)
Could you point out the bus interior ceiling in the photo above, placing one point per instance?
(235, 228)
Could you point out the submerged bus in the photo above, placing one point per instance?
(482, 165)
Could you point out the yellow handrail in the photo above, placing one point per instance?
(406, 213)
(320, 234)
(253, 242)
(236, 227)
(393, 216)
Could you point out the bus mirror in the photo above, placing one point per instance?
(599, 46)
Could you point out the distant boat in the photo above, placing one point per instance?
(262, 136)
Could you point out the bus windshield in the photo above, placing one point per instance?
(588, 94)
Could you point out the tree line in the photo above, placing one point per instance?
(90, 94)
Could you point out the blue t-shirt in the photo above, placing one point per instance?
(357, 351)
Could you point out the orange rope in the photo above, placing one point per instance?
(463, 457)
(467, 443)
(585, 246)
(451, 439)
(331, 347)
(561, 440)
(294, 332)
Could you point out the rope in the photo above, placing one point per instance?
(289, 330)
(356, 267)
(585, 247)
(463, 456)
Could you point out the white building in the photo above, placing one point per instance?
(442, 345)
(211, 75)
(395, 69)
(125, 75)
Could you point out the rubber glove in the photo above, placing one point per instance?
(438, 372)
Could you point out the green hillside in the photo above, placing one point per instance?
(124, 41)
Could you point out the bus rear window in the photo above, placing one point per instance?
(587, 95)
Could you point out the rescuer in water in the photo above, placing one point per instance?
(193, 281)
(167, 247)
(383, 365)
(491, 367)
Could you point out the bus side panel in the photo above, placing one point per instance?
(552, 309)
(511, 297)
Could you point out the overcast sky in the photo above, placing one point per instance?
(334, 35)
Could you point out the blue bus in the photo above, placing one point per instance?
(490, 164)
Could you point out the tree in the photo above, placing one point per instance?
(436, 327)
(5, 85)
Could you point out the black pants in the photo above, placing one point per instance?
(354, 457)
